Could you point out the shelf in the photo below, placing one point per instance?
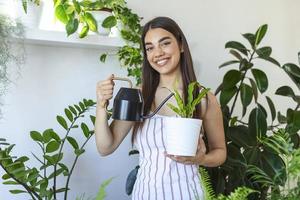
(58, 38)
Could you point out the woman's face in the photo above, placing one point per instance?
(163, 52)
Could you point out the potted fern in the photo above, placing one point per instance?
(183, 131)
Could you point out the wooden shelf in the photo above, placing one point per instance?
(58, 38)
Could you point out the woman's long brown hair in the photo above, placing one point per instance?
(150, 77)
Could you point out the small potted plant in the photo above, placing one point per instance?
(183, 132)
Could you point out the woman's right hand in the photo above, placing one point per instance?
(104, 91)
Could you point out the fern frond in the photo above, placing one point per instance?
(241, 193)
(209, 193)
(260, 176)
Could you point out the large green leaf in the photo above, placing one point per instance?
(238, 46)
(264, 52)
(36, 136)
(61, 14)
(254, 89)
(72, 26)
(285, 91)
(294, 72)
(272, 107)
(231, 78)
(85, 130)
(250, 37)
(73, 142)
(226, 95)
(293, 119)
(261, 79)
(281, 118)
(109, 22)
(229, 63)
(90, 20)
(257, 122)
(246, 94)
(260, 33)
(52, 146)
(241, 137)
(62, 122)
(272, 60)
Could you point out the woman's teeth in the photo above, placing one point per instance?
(162, 62)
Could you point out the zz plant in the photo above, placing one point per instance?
(248, 83)
(40, 182)
(187, 109)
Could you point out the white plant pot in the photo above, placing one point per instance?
(100, 17)
(32, 18)
(182, 135)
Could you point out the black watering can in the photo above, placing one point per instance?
(129, 104)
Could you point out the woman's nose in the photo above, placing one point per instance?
(158, 52)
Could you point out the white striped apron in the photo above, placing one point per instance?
(159, 177)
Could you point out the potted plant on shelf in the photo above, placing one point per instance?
(183, 131)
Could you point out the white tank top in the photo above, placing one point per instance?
(159, 177)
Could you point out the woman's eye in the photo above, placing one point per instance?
(166, 43)
(149, 48)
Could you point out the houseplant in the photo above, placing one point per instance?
(243, 137)
(40, 182)
(72, 13)
(183, 132)
(10, 59)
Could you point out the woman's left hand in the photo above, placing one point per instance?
(198, 159)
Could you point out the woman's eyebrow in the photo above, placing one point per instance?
(160, 40)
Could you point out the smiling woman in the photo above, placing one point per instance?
(167, 62)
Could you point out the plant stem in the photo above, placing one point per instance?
(236, 95)
(73, 166)
(31, 192)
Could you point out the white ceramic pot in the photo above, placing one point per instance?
(32, 18)
(100, 17)
(182, 135)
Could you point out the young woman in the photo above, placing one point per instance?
(167, 60)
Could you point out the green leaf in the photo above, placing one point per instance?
(231, 78)
(250, 37)
(281, 118)
(103, 57)
(85, 130)
(293, 119)
(285, 91)
(52, 146)
(292, 69)
(24, 4)
(72, 26)
(229, 63)
(10, 183)
(47, 135)
(93, 119)
(78, 152)
(61, 14)
(62, 122)
(272, 60)
(226, 95)
(90, 20)
(73, 110)
(240, 136)
(73, 142)
(55, 136)
(264, 52)
(82, 106)
(69, 114)
(77, 6)
(261, 79)
(272, 107)
(36, 136)
(101, 193)
(254, 89)
(257, 122)
(109, 22)
(235, 54)
(56, 173)
(84, 31)
(246, 94)
(238, 46)
(260, 33)
(22, 159)
(17, 191)
(57, 157)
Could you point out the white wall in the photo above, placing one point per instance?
(56, 77)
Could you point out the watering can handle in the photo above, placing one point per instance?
(104, 104)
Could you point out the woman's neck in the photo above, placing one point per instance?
(171, 82)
